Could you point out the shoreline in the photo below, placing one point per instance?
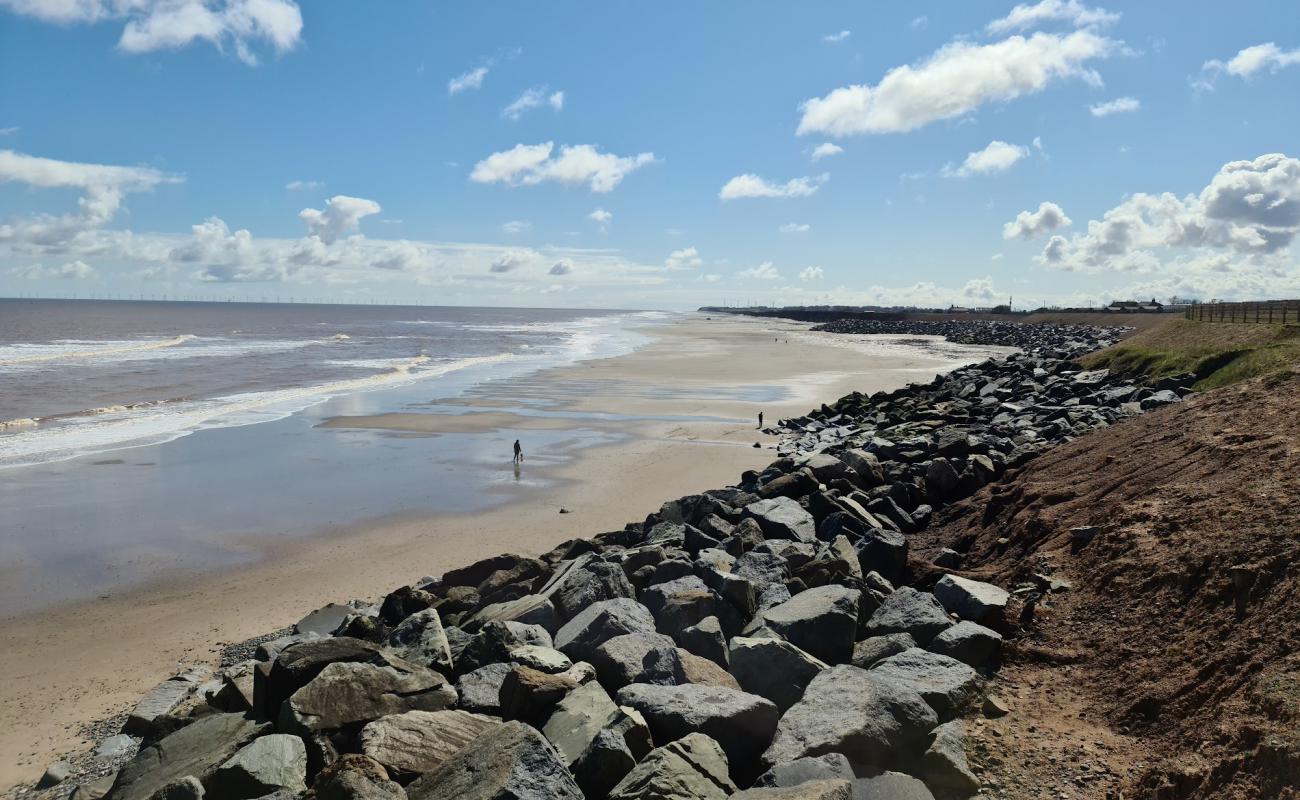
(113, 649)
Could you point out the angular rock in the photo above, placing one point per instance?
(831, 766)
(356, 777)
(692, 768)
(593, 582)
(495, 641)
(703, 672)
(403, 602)
(890, 786)
(159, 700)
(637, 658)
(973, 600)
(679, 603)
(573, 725)
(184, 788)
(945, 683)
(418, 741)
(529, 695)
(55, 773)
(298, 664)
(546, 659)
(772, 668)
(348, 693)
(866, 465)
(969, 643)
(944, 765)
(511, 762)
(480, 690)
(704, 639)
(783, 518)
(882, 551)
(325, 620)
(420, 639)
(836, 789)
(876, 648)
(909, 611)
(197, 749)
(269, 764)
(740, 722)
(868, 718)
(599, 623)
(822, 621)
(531, 609)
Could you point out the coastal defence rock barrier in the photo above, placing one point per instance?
(762, 640)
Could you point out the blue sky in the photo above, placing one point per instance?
(656, 156)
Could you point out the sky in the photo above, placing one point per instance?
(656, 156)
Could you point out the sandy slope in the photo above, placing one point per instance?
(73, 665)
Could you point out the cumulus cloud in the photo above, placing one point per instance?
(1032, 224)
(1247, 62)
(685, 258)
(751, 185)
(998, 156)
(837, 37)
(954, 81)
(1250, 208)
(795, 227)
(341, 215)
(530, 99)
(762, 272)
(212, 242)
(509, 262)
(516, 226)
(826, 149)
(1072, 12)
(600, 216)
(562, 267)
(9, 131)
(172, 24)
(811, 274)
(464, 82)
(1120, 105)
(73, 270)
(919, 22)
(530, 164)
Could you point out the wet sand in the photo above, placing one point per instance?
(684, 408)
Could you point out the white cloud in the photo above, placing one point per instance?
(1247, 62)
(1038, 143)
(600, 216)
(528, 165)
(954, 81)
(751, 185)
(466, 81)
(795, 227)
(78, 270)
(562, 267)
(998, 156)
(1120, 105)
(1031, 224)
(342, 214)
(711, 277)
(837, 37)
(515, 226)
(811, 274)
(10, 131)
(510, 261)
(1250, 208)
(1072, 12)
(919, 22)
(826, 149)
(997, 257)
(763, 272)
(295, 186)
(532, 98)
(685, 258)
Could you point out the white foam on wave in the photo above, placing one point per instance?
(78, 353)
(115, 428)
(75, 349)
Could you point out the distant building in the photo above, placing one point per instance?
(1136, 307)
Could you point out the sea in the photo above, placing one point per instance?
(141, 439)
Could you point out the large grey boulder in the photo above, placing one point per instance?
(705, 640)
(740, 722)
(972, 600)
(637, 658)
(945, 683)
(883, 551)
(495, 641)
(599, 742)
(830, 766)
(877, 648)
(592, 582)
(296, 666)
(783, 518)
(197, 749)
(833, 789)
(692, 768)
(583, 713)
(944, 765)
(822, 621)
(890, 786)
(277, 762)
(160, 700)
(909, 611)
(355, 777)
(600, 622)
(531, 609)
(418, 741)
(679, 603)
(346, 693)
(772, 668)
(546, 659)
(420, 639)
(510, 762)
(480, 690)
(969, 643)
(868, 718)
(866, 465)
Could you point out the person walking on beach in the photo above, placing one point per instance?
(519, 452)
(760, 420)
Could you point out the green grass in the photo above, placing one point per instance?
(1219, 353)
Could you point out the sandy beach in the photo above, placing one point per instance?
(683, 409)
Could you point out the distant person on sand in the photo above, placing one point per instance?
(519, 452)
(760, 419)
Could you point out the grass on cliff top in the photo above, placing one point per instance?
(1219, 353)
